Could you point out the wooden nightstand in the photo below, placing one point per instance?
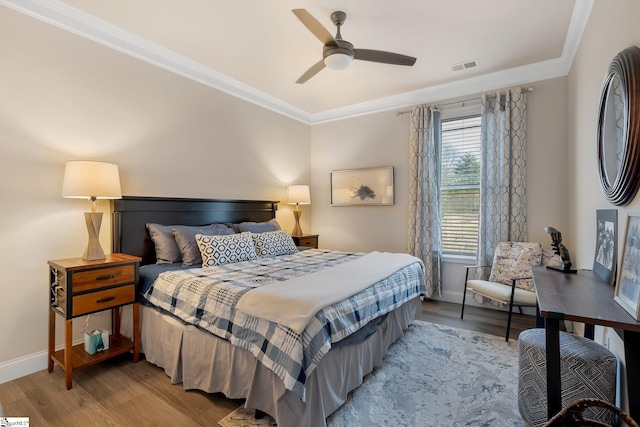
(306, 240)
(78, 287)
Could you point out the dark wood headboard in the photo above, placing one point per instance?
(131, 214)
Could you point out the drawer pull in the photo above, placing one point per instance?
(107, 277)
(106, 299)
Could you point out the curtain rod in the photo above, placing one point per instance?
(460, 103)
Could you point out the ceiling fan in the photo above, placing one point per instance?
(338, 53)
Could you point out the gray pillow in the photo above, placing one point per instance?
(167, 251)
(185, 237)
(259, 227)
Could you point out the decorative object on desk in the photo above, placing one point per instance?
(604, 261)
(560, 249)
(627, 292)
(360, 187)
(92, 181)
(619, 129)
(298, 195)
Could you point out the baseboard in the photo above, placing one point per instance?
(23, 366)
(26, 365)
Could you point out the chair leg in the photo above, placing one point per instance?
(464, 294)
(513, 291)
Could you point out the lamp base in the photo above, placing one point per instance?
(94, 250)
(297, 231)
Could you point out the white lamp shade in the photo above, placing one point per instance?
(338, 61)
(86, 180)
(298, 195)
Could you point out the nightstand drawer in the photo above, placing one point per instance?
(94, 279)
(102, 300)
(310, 242)
(306, 241)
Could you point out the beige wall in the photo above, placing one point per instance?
(63, 97)
(612, 27)
(610, 30)
(383, 139)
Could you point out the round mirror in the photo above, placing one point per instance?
(619, 129)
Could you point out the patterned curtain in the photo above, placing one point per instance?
(424, 195)
(503, 196)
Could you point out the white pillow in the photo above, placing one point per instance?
(273, 243)
(227, 249)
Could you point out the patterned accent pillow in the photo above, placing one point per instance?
(185, 237)
(227, 249)
(514, 260)
(273, 243)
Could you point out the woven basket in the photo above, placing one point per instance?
(571, 416)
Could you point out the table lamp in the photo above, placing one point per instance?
(298, 195)
(92, 181)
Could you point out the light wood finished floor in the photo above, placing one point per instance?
(119, 392)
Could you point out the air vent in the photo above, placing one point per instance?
(465, 65)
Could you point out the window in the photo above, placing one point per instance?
(460, 184)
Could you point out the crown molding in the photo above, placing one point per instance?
(69, 18)
(482, 83)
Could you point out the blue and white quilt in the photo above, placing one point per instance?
(206, 297)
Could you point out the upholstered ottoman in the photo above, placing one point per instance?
(587, 369)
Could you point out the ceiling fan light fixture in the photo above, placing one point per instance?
(338, 61)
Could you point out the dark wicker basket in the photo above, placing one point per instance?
(571, 416)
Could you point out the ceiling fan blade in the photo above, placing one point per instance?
(384, 57)
(315, 69)
(314, 26)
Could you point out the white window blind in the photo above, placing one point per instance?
(460, 184)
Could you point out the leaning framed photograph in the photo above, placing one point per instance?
(362, 187)
(604, 260)
(628, 286)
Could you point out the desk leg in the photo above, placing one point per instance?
(632, 362)
(539, 318)
(554, 386)
(589, 331)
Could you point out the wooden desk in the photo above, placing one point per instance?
(583, 297)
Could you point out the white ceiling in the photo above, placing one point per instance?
(257, 49)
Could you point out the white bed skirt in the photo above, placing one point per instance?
(202, 361)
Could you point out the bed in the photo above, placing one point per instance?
(331, 361)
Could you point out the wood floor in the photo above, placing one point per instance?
(119, 392)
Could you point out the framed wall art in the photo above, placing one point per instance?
(604, 260)
(362, 187)
(628, 285)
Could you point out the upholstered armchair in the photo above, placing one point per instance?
(510, 280)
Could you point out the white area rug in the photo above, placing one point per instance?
(433, 376)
